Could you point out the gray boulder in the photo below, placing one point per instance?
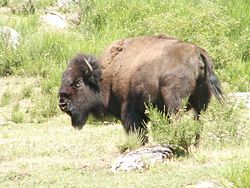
(10, 37)
(54, 19)
(142, 158)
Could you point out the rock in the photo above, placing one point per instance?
(203, 184)
(74, 18)
(54, 19)
(66, 3)
(242, 96)
(142, 158)
(10, 37)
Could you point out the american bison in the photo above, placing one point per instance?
(132, 72)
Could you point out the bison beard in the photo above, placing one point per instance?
(133, 72)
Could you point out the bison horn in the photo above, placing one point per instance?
(89, 66)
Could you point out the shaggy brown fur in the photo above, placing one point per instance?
(131, 72)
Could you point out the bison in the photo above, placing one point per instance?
(132, 72)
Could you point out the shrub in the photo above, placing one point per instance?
(180, 132)
(220, 125)
(133, 142)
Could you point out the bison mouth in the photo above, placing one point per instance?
(78, 120)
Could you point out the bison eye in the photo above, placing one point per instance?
(77, 83)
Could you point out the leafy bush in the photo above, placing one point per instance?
(179, 131)
(220, 125)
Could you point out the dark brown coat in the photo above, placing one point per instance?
(133, 72)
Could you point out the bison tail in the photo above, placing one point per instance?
(212, 80)
(215, 86)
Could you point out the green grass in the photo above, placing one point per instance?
(56, 155)
(27, 91)
(40, 149)
(6, 98)
(17, 116)
(240, 176)
(222, 28)
(53, 154)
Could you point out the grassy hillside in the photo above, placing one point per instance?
(38, 148)
(219, 26)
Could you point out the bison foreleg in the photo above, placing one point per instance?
(134, 122)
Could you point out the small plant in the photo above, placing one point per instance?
(27, 92)
(180, 131)
(6, 98)
(133, 142)
(17, 115)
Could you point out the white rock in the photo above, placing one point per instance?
(205, 184)
(55, 20)
(10, 37)
(142, 158)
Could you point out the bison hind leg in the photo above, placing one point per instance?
(198, 101)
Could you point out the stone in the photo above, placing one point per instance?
(142, 158)
(66, 3)
(202, 184)
(54, 19)
(10, 37)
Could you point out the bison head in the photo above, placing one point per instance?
(80, 90)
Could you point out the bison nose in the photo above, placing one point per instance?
(63, 105)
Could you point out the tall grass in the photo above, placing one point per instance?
(219, 26)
